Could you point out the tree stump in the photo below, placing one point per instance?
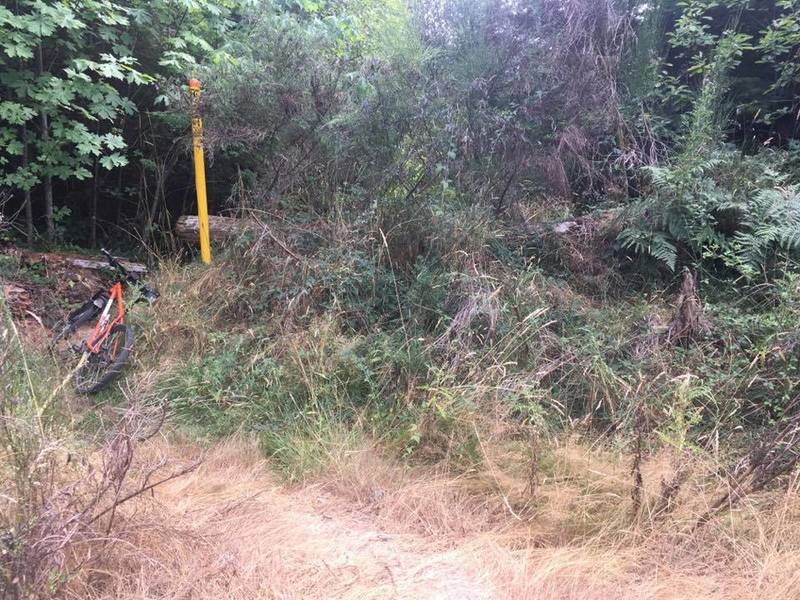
(688, 322)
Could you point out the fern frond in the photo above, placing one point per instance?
(653, 244)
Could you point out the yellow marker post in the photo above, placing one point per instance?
(200, 172)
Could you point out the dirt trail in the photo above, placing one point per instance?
(232, 530)
(336, 554)
(242, 535)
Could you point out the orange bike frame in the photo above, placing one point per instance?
(105, 323)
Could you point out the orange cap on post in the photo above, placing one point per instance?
(194, 85)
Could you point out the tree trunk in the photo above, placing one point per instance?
(118, 212)
(158, 196)
(48, 179)
(143, 207)
(93, 231)
(28, 207)
(48, 203)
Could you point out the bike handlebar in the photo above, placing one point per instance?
(114, 262)
(147, 292)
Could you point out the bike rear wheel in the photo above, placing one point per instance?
(99, 369)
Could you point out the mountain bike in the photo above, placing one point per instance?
(103, 353)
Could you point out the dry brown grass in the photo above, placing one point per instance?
(372, 528)
(230, 530)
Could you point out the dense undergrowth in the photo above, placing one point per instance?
(537, 262)
(422, 353)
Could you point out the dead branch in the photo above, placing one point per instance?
(76, 521)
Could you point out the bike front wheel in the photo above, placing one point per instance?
(97, 369)
(76, 319)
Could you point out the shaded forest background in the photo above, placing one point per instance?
(391, 107)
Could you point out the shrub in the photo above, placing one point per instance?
(729, 213)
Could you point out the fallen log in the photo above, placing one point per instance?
(187, 227)
(78, 261)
